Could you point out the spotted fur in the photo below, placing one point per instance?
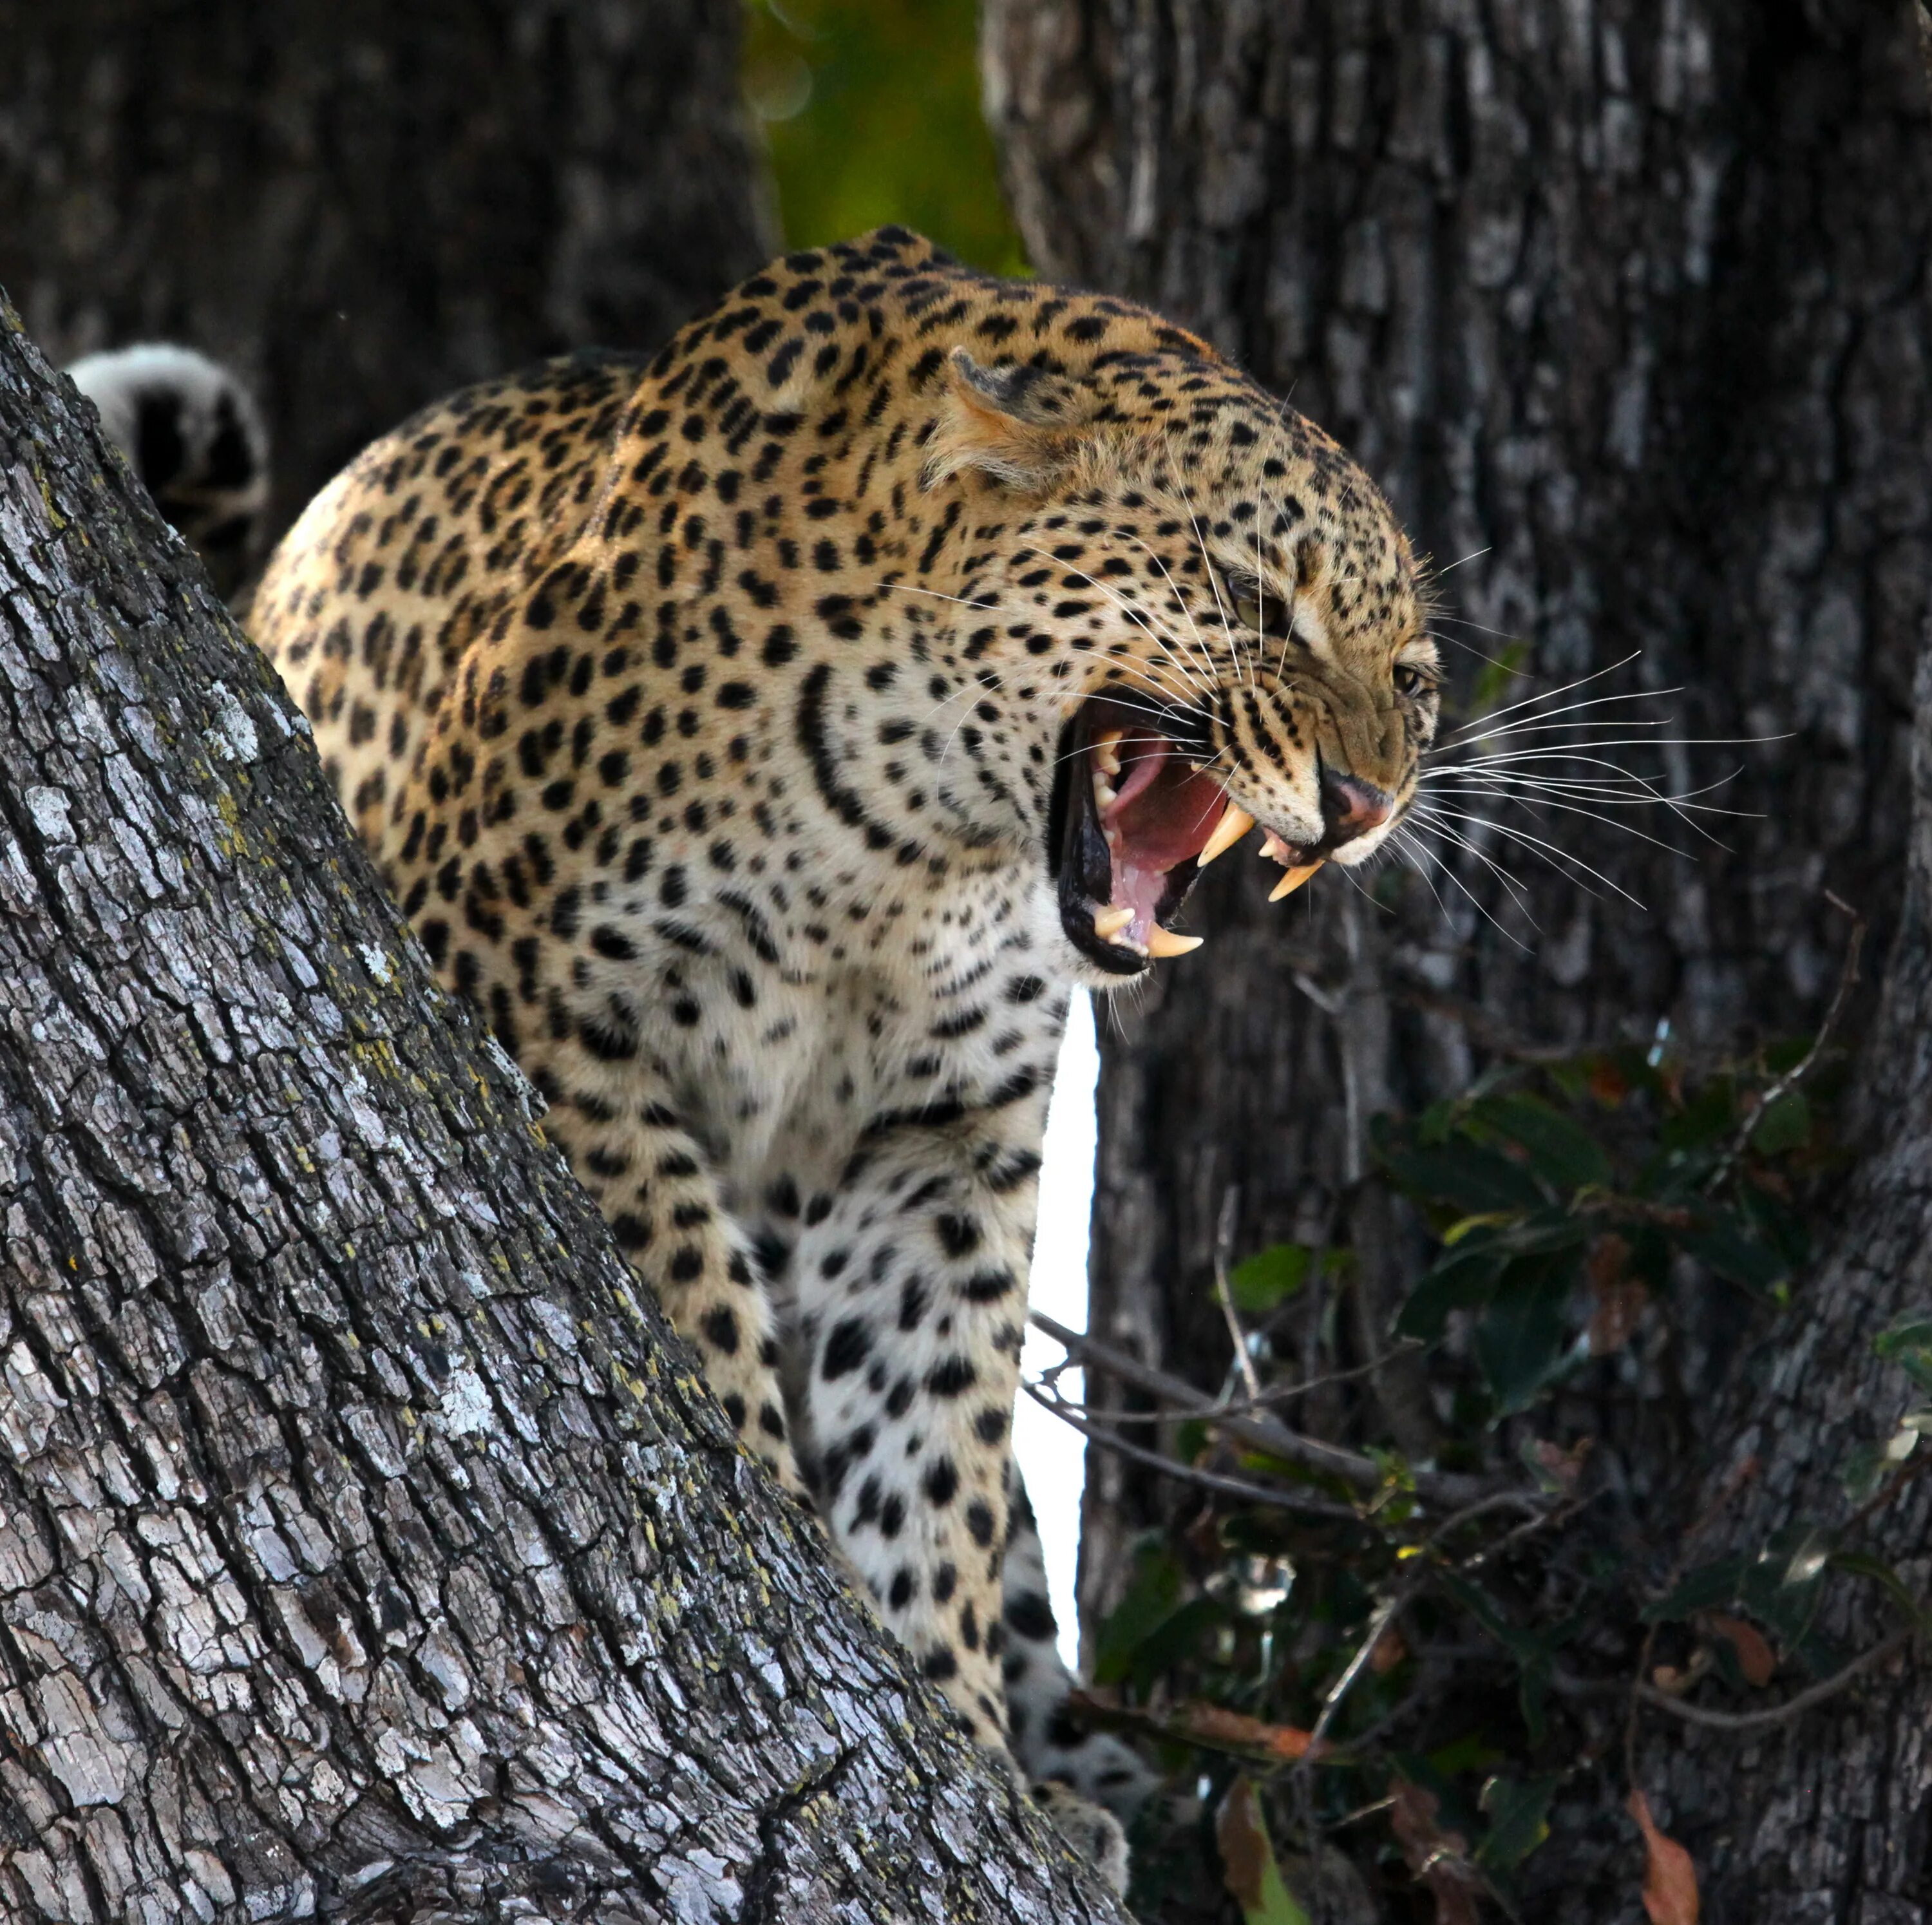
(706, 714)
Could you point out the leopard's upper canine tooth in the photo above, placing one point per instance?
(1165, 943)
(1108, 923)
(1234, 823)
(1104, 793)
(1107, 752)
(1292, 881)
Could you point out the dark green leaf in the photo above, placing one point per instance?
(1175, 1639)
(1462, 1277)
(1711, 1587)
(1522, 1341)
(1518, 1814)
(1153, 1595)
(1719, 1240)
(1783, 1584)
(1783, 1125)
(1779, 1587)
(1561, 1154)
(1463, 1174)
(1858, 1564)
(1907, 1342)
(1710, 1115)
(1465, 1274)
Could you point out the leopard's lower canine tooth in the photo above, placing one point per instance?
(1292, 881)
(1274, 848)
(1107, 752)
(1234, 823)
(1103, 792)
(1165, 943)
(1108, 923)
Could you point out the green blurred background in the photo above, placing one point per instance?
(872, 110)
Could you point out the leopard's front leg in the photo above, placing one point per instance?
(910, 1282)
(910, 1290)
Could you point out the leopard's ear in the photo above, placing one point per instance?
(1019, 424)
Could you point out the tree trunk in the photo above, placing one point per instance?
(369, 1549)
(360, 207)
(1625, 303)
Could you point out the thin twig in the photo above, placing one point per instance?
(1398, 1603)
(1402, 1598)
(1224, 1241)
(1541, 1520)
(1848, 975)
(1274, 1496)
(1272, 1394)
(1263, 1433)
(1741, 1475)
(1795, 1707)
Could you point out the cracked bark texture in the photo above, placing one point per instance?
(370, 1550)
(360, 206)
(1627, 302)
(1632, 296)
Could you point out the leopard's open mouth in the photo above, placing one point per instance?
(1134, 820)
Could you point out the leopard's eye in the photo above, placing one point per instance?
(1411, 680)
(1253, 608)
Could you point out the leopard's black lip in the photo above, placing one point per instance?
(1077, 856)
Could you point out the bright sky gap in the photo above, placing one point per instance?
(1052, 1455)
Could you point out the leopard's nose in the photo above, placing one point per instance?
(1351, 807)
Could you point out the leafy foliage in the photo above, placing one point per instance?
(1556, 1226)
(871, 111)
(1418, 1675)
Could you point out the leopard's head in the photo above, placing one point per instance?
(1200, 617)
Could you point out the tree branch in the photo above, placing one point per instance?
(1261, 1432)
(1791, 1707)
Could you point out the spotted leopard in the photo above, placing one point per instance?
(768, 735)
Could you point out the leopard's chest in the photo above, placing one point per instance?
(785, 1065)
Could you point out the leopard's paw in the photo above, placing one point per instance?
(1093, 1830)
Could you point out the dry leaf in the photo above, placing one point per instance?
(1197, 1723)
(1617, 1299)
(1389, 1651)
(1607, 1083)
(1756, 1660)
(1244, 1844)
(1563, 1469)
(1212, 1724)
(1249, 1862)
(1438, 1858)
(1669, 1878)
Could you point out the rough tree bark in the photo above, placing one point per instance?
(1635, 298)
(360, 206)
(1625, 301)
(369, 1549)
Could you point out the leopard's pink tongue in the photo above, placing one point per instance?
(1160, 813)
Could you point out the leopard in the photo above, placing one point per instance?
(768, 737)
(188, 426)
